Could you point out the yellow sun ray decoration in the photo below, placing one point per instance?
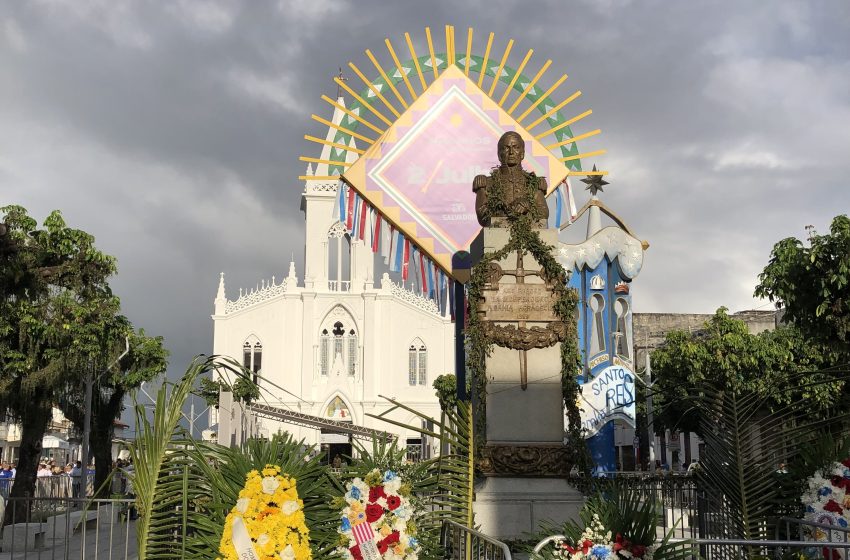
(392, 104)
(267, 522)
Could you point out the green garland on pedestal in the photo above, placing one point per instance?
(522, 217)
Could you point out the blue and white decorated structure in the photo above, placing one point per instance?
(603, 267)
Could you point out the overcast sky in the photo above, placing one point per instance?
(171, 130)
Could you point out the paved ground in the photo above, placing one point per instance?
(105, 537)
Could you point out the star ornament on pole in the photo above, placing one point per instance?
(594, 183)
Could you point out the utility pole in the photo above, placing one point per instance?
(649, 417)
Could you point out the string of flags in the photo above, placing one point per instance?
(365, 223)
(564, 195)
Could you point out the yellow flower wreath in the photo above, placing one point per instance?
(267, 522)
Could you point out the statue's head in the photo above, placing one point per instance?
(511, 149)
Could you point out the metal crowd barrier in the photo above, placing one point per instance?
(68, 529)
(805, 528)
(739, 549)
(462, 543)
(677, 494)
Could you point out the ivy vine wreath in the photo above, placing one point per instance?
(524, 237)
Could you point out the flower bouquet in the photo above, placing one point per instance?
(827, 501)
(267, 522)
(596, 543)
(619, 524)
(377, 519)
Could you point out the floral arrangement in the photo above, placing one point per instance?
(827, 499)
(377, 519)
(596, 543)
(267, 522)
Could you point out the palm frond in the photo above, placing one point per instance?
(744, 445)
(451, 473)
(163, 470)
(622, 510)
(222, 473)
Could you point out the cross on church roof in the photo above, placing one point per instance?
(338, 86)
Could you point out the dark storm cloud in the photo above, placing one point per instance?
(171, 130)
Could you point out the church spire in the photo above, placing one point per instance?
(291, 280)
(220, 297)
(339, 119)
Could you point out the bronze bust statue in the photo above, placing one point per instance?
(517, 192)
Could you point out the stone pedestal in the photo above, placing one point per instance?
(533, 415)
(509, 508)
(524, 458)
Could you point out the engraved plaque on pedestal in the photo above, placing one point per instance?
(520, 302)
(524, 401)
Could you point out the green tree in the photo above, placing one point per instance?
(812, 283)
(725, 352)
(445, 387)
(59, 321)
(243, 389)
(45, 276)
(109, 335)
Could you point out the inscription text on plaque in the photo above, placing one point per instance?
(520, 302)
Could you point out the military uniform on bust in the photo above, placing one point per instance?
(513, 184)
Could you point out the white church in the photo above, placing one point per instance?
(330, 342)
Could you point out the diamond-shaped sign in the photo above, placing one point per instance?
(419, 173)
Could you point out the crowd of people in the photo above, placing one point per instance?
(56, 481)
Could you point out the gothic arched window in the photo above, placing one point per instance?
(417, 363)
(324, 353)
(339, 258)
(338, 344)
(252, 357)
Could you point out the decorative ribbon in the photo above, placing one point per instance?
(242, 541)
(365, 537)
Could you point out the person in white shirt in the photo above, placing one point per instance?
(76, 479)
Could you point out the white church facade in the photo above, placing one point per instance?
(332, 342)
